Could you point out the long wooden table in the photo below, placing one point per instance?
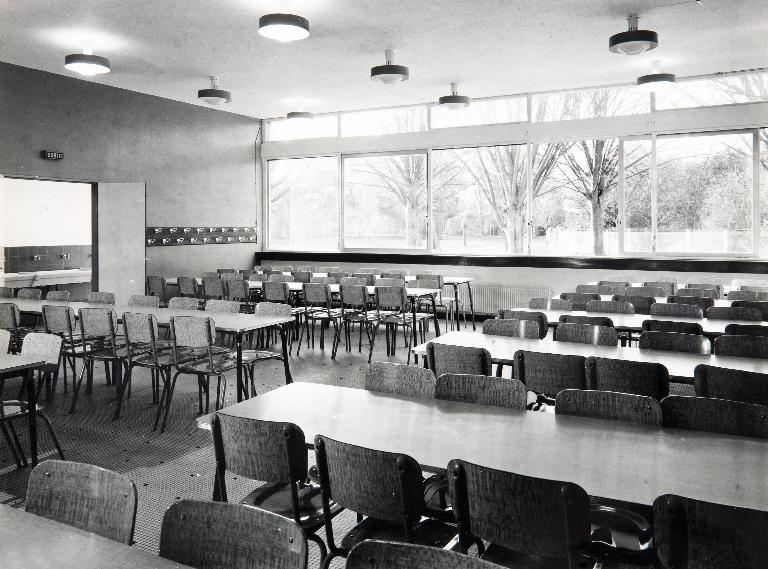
(609, 459)
(28, 541)
(14, 366)
(503, 348)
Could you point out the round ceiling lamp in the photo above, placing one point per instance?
(284, 27)
(87, 64)
(389, 74)
(656, 80)
(454, 100)
(633, 41)
(214, 95)
(301, 115)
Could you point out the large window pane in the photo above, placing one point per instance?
(385, 201)
(763, 137)
(722, 90)
(574, 206)
(303, 204)
(588, 104)
(479, 200)
(483, 111)
(384, 121)
(637, 196)
(705, 193)
(295, 129)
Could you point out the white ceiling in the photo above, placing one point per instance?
(491, 47)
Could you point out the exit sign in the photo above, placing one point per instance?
(51, 155)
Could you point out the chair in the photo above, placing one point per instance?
(762, 306)
(579, 300)
(301, 276)
(446, 358)
(9, 320)
(48, 348)
(667, 288)
(548, 374)
(746, 330)
(212, 535)
(481, 390)
(703, 302)
(741, 346)
(372, 270)
(539, 317)
(756, 286)
(538, 304)
(734, 313)
(376, 554)
(386, 487)
(318, 307)
(652, 291)
(222, 272)
(323, 280)
(84, 496)
(641, 304)
(610, 307)
(594, 289)
(704, 286)
(617, 287)
(328, 270)
(58, 296)
(183, 303)
(276, 454)
(188, 286)
(698, 292)
(157, 286)
(609, 405)
(148, 301)
(213, 288)
(5, 341)
(392, 312)
(587, 334)
(399, 379)
(211, 275)
(337, 275)
(715, 416)
(701, 535)
(100, 298)
(29, 294)
(388, 282)
(591, 320)
(678, 310)
(352, 281)
(354, 310)
(675, 342)
(560, 304)
(6, 292)
(394, 274)
(370, 278)
(61, 321)
(747, 295)
(623, 376)
(251, 357)
(223, 306)
(306, 268)
(512, 328)
(733, 384)
(652, 325)
(240, 292)
(282, 268)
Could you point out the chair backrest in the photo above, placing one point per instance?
(699, 292)
(98, 322)
(211, 275)
(59, 320)
(317, 294)
(141, 300)
(734, 384)
(539, 317)
(761, 305)
(715, 416)
(182, 303)
(704, 285)
(9, 316)
(228, 306)
(6, 292)
(232, 276)
(84, 496)
(538, 304)
(323, 280)
(652, 325)
(481, 390)
(140, 331)
(372, 270)
(668, 288)
(609, 405)
(748, 295)
(610, 307)
(210, 535)
(560, 304)
(223, 272)
(641, 304)
(677, 309)
(624, 376)
(617, 287)
(594, 289)
(328, 270)
(5, 341)
(282, 268)
(156, 284)
(445, 358)
(746, 330)
(58, 295)
(338, 275)
(375, 554)
(273, 309)
(388, 282)
(741, 346)
(45, 346)
(549, 374)
(400, 379)
(592, 320)
(213, 288)
(700, 301)
(675, 342)
(391, 298)
(352, 281)
(301, 276)
(530, 515)
(370, 278)
(276, 292)
(280, 278)
(100, 298)
(693, 534)
(306, 268)
(579, 300)
(383, 485)
(587, 334)
(394, 274)
(187, 286)
(734, 313)
(193, 331)
(512, 328)
(430, 281)
(652, 291)
(353, 295)
(30, 293)
(750, 287)
(238, 290)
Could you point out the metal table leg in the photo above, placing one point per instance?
(284, 340)
(29, 380)
(471, 305)
(239, 344)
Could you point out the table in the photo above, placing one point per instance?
(14, 366)
(503, 348)
(34, 542)
(608, 459)
(724, 302)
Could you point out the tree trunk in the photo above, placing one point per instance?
(597, 224)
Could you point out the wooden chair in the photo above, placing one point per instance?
(560, 304)
(747, 295)
(392, 312)
(29, 294)
(46, 347)
(715, 416)
(641, 304)
(58, 296)
(689, 290)
(653, 325)
(538, 317)
(5, 341)
(741, 346)
(591, 320)
(667, 288)
(318, 307)
(211, 275)
(188, 287)
(84, 496)
(703, 302)
(618, 287)
(481, 390)
(609, 405)
(675, 342)
(445, 358)
(183, 303)
(6, 292)
(538, 304)
(399, 379)
(579, 300)
(213, 535)
(594, 289)
(354, 311)
(376, 554)
(301, 276)
(275, 453)
(676, 309)
(222, 272)
(761, 305)
(733, 384)
(610, 307)
(148, 301)
(386, 487)
(548, 374)
(587, 334)
(746, 330)
(652, 291)
(638, 378)
(734, 313)
(10, 315)
(157, 286)
(213, 288)
(100, 298)
(694, 534)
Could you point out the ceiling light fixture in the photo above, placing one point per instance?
(454, 100)
(284, 27)
(86, 63)
(656, 80)
(633, 41)
(303, 115)
(214, 95)
(389, 74)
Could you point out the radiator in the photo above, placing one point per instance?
(491, 299)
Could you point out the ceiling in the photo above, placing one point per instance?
(169, 48)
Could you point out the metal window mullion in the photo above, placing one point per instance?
(340, 201)
(756, 192)
(620, 198)
(430, 205)
(529, 195)
(654, 197)
(265, 205)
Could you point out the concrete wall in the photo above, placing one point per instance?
(199, 164)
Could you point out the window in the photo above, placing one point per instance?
(303, 204)
(295, 129)
(479, 200)
(705, 193)
(719, 90)
(385, 201)
(384, 121)
(481, 111)
(763, 169)
(637, 196)
(588, 104)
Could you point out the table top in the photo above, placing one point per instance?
(17, 363)
(411, 291)
(33, 542)
(503, 348)
(609, 459)
(634, 322)
(173, 281)
(724, 302)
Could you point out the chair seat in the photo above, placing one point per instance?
(361, 316)
(221, 364)
(250, 356)
(427, 532)
(12, 408)
(396, 319)
(276, 498)
(166, 358)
